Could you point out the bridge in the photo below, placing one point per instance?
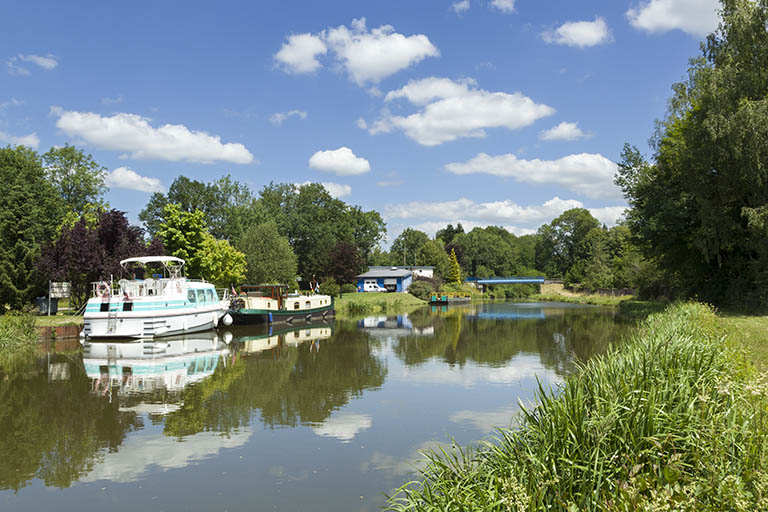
(507, 280)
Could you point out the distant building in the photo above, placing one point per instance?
(394, 279)
(420, 271)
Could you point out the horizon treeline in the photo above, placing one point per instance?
(696, 225)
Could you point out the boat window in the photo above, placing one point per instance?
(269, 304)
(127, 306)
(296, 305)
(307, 304)
(201, 296)
(212, 295)
(191, 296)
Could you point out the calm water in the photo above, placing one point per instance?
(320, 417)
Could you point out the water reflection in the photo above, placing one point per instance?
(310, 406)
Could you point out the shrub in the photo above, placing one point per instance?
(348, 288)
(330, 287)
(421, 289)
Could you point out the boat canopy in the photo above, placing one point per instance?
(153, 259)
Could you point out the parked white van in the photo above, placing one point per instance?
(373, 286)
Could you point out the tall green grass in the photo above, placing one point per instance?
(674, 419)
(18, 339)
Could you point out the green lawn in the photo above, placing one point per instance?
(352, 304)
(751, 332)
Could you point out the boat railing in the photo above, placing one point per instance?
(133, 288)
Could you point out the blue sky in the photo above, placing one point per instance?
(487, 112)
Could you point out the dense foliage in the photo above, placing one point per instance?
(86, 253)
(30, 212)
(700, 208)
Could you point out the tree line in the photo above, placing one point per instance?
(696, 225)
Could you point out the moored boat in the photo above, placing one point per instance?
(442, 298)
(273, 304)
(165, 304)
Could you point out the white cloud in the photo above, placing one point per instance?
(46, 62)
(340, 161)
(585, 173)
(564, 131)
(134, 134)
(695, 17)
(30, 140)
(344, 426)
(608, 215)
(123, 177)
(299, 54)
(460, 6)
(454, 109)
(13, 102)
(520, 220)
(278, 117)
(580, 34)
(368, 56)
(336, 190)
(389, 183)
(507, 6)
(490, 213)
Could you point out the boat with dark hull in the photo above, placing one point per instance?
(267, 304)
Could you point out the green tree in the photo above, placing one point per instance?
(185, 235)
(454, 274)
(593, 269)
(227, 205)
(30, 213)
(269, 256)
(433, 253)
(315, 223)
(220, 263)
(560, 243)
(79, 180)
(699, 206)
(405, 248)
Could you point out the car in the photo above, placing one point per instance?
(374, 287)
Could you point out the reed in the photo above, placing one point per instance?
(673, 419)
(18, 339)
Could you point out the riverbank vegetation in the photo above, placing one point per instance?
(672, 419)
(353, 304)
(18, 339)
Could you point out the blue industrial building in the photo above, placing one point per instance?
(393, 279)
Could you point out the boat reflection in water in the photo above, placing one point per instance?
(265, 337)
(393, 326)
(151, 367)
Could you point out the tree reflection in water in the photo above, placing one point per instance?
(57, 425)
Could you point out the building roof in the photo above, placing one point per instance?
(385, 272)
(400, 267)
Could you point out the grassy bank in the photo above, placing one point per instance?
(353, 304)
(596, 300)
(18, 339)
(674, 419)
(56, 320)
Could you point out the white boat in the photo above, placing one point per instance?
(165, 304)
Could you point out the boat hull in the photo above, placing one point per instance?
(264, 316)
(134, 325)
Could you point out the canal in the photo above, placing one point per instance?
(327, 416)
